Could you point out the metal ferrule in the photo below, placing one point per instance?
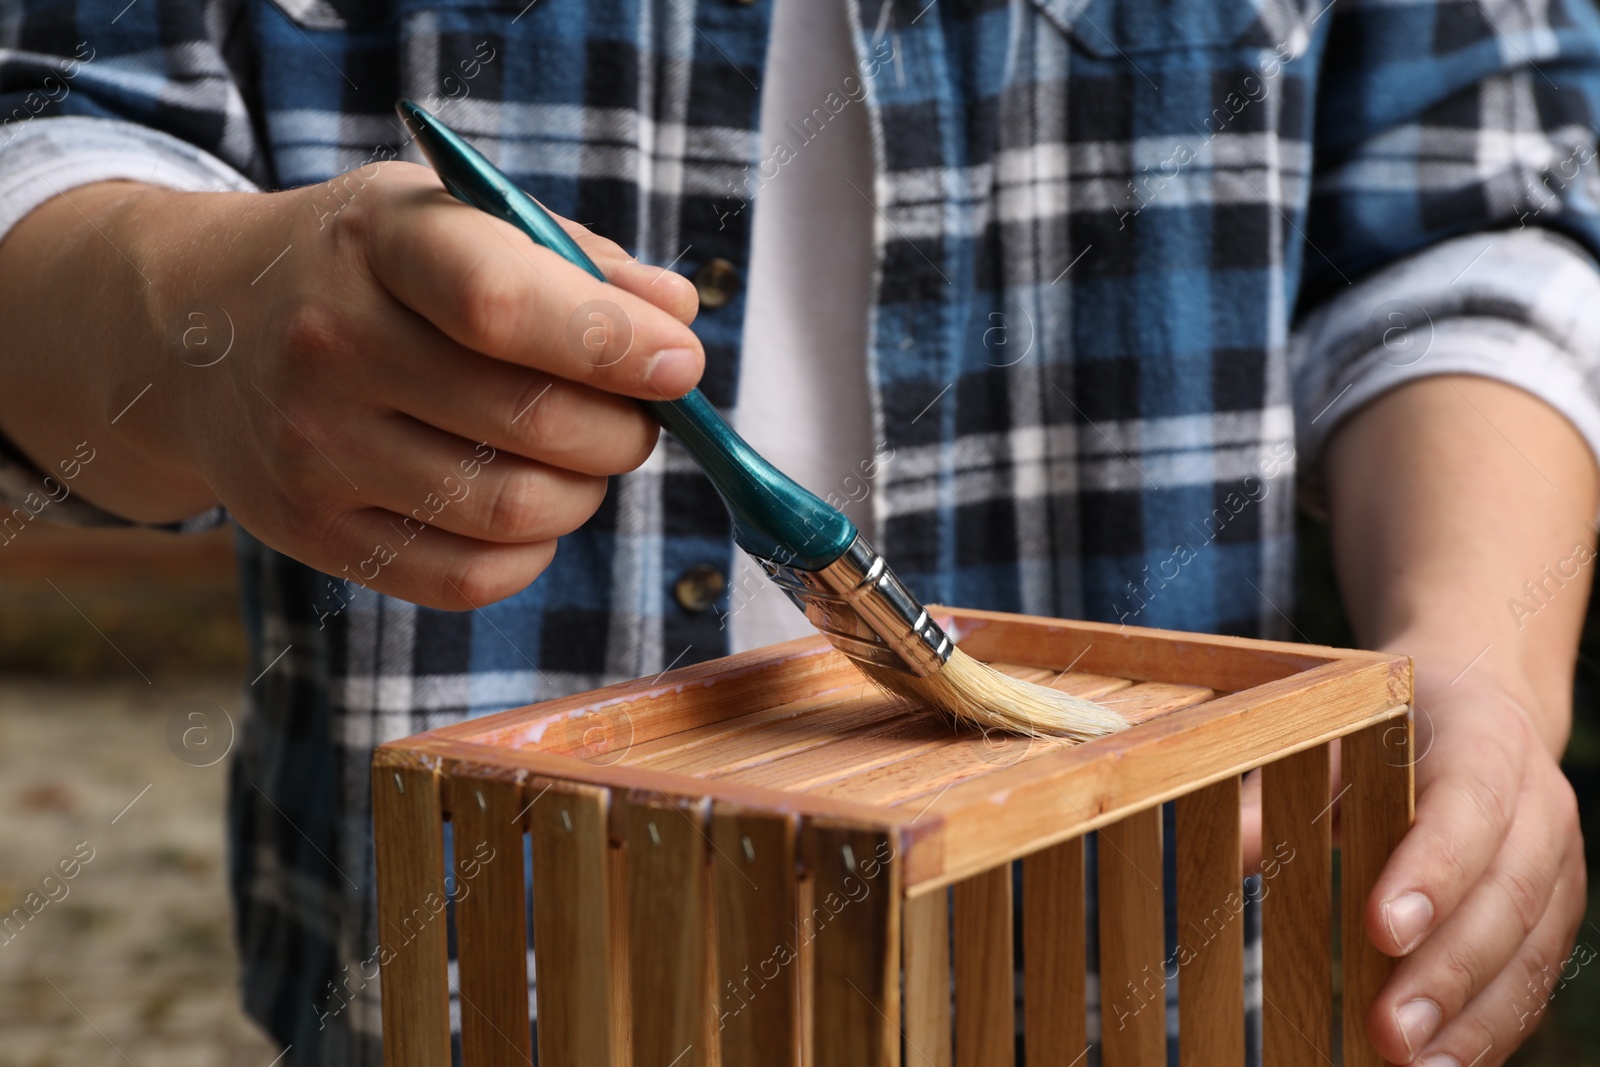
(866, 611)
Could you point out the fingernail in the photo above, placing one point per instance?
(673, 371)
(1407, 917)
(1440, 1059)
(1417, 1019)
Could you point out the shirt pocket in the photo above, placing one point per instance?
(1111, 28)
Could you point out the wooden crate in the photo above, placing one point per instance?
(744, 862)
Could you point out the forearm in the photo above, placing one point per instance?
(89, 358)
(1448, 496)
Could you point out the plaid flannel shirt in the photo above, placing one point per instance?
(1096, 220)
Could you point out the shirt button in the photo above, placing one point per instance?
(699, 587)
(717, 283)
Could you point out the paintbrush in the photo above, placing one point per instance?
(810, 549)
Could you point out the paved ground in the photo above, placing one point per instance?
(131, 961)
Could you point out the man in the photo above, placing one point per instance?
(1059, 376)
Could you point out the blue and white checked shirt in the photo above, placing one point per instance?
(1147, 196)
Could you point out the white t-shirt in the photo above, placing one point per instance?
(802, 399)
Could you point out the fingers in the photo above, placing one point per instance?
(380, 550)
(1500, 1016)
(1463, 816)
(513, 409)
(491, 289)
(431, 478)
(1478, 940)
(435, 568)
(1250, 821)
(672, 292)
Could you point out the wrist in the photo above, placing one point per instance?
(1446, 660)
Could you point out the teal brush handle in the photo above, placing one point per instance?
(774, 517)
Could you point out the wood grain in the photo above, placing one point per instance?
(1150, 700)
(411, 911)
(1068, 791)
(765, 735)
(649, 708)
(568, 829)
(962, 754)
(854, 925)
(1054, 958)
(985, 993)
(926, 965)
(915, 755)
(1376, 809)
(1297, 910)
(1078, 683)
(805, 935)
(757, 1000)
(761, 738)
(1210, 927)
(854, 754)
(667, 923)
(492, 922)
(1225, 664)
(620, 777)
(618, 971)
(927, 774)
(1133, 1029)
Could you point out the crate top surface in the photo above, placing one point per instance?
(795, 728)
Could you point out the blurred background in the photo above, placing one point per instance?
(104, 636)
(107, 637)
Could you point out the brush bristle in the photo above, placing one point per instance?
(973, 694)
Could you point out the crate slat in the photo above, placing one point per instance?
(985, 993)
(688, 698)
(491, 922)
(1377, 765)
(1077, 683)
(1133, 1029)
(1148, 700)
(911, 781)
(667, 923)
(862, 759)
(962, 755)
(1225, 664)
(926, 965)
(855, 923)
(1068, 791)
(571, 920)
(1210, 926)
(408, 823)
(1055, 1000)
(618, 976)
(806, 935)
(859, 752)
(758, 996)
(1297, 910)
(762, 736)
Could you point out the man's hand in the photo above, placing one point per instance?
(1452, 499)
(1485, 895)
(381, 382)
